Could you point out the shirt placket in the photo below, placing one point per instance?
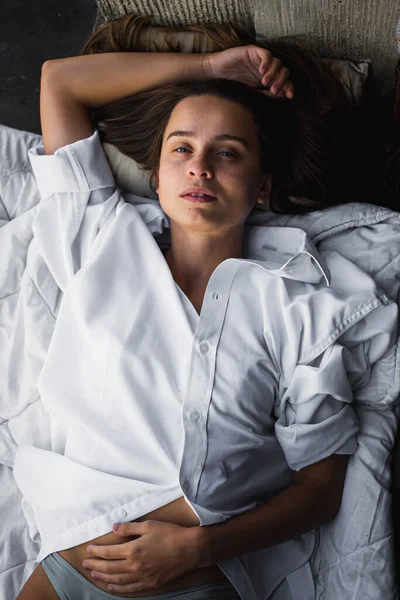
(201, 376)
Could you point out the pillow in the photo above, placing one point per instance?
(128, 176)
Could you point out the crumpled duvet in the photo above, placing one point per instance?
(354, 555)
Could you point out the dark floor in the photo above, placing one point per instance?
(30, 34)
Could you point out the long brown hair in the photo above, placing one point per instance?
(307, 144)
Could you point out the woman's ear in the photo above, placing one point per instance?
(265, 189)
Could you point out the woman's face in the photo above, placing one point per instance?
(229, 168)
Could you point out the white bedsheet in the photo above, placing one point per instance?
(354, 557)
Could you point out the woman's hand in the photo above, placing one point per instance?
(253, 66)
(163, 552)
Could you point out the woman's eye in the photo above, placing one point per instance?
(222, 151)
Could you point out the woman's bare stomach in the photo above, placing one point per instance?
(178, 512)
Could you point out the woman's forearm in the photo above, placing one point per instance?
(98, 79)
(296, 510)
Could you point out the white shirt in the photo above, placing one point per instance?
(148, 401)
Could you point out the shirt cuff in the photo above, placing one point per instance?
(78, 167)
(316, 418)
(305, 445)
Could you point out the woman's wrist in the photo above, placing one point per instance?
(197, 67)
(206, 67)
(204, 543)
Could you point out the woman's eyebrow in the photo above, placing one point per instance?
(223, 136)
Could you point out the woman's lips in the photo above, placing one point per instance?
(200, 199)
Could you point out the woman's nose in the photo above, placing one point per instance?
(200, 166)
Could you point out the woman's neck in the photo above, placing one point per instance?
(190, 278)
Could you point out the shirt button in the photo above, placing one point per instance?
(217, 296)
(194, 416)
(186, 486)
(204, 348)
(122, 513)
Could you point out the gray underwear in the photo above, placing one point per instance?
(71, 585)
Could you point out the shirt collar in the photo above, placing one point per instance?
(283, 251)
(286, 252)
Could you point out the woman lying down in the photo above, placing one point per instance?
(195, 394)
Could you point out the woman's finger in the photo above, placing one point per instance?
(289, 89)
(265, 63)
(106, 566)
(280, 80)
(260, 57)
(272, 72)
(120, 578)
(273, 96)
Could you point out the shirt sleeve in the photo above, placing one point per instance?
(79, 198)
(316, 418)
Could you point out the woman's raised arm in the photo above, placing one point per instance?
(70, 87)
